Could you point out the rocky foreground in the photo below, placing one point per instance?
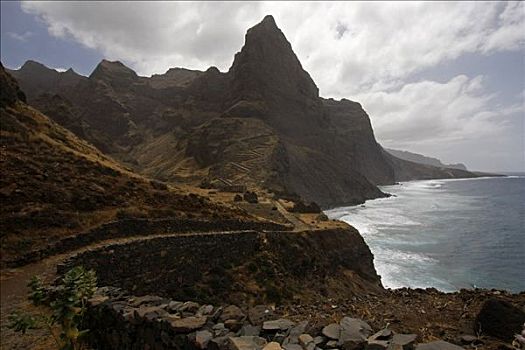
(121, 321)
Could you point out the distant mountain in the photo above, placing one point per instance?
(261, 124)
(421, 159)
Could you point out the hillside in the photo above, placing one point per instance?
(262, 124)
(53, 184)
(421, 159)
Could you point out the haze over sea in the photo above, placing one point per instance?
(447, 234)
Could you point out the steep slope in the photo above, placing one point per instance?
(261, 124)
(54, 184)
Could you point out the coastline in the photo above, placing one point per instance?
(390, 230)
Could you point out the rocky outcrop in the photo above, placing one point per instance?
(119, 321)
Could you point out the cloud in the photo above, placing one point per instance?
(447, 119)
(347, 47)
(428, 111)
(20, 37)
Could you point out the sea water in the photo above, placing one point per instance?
(447, 234)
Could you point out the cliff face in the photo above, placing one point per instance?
(261, 124)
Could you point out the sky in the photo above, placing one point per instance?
(445, 79)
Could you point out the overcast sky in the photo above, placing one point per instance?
(443, 79)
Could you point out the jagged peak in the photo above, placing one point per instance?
(113, 69)
(268, 62)
(31, 64)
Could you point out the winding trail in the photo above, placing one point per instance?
(13, 286)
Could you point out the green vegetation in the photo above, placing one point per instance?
(63, 308)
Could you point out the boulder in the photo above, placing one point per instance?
(202, 338)
(500, 319)
(249, 330)
(246, 343)
(187, 324)
(232, 312)
(295, 332)
(292, 347)
(332, 331)
(272, 346)
(402, 342)
(354, 329)
(438, 345)
(307, 342)
(277, 325)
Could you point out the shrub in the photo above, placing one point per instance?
(66, 304)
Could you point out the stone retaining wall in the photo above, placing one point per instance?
(139, 227)
(235, 267)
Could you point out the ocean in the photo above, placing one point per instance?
(447, 234)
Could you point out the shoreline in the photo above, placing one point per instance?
(406, 262)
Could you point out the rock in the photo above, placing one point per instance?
(272, 346)
(307, 342)
(234, 325)
(278, 325)
(319, 340)
(438, 345)
(187, 324)
(354, 329)
(151, 300)
(189, 306)
(331, 344)
(402, 342)
(232, 312)
(383, 334)
(218, 343)
(295, 332)
(377, 345)
(202, 338)
(251, 197)
(500, 319)
(237, 198)
(332, 331)
(150, 312)
(258, 314)
(174, 306)
(246, 343)
(305, 339)
(468, 339)
(205, 310)
(292, 347)
(249, 330)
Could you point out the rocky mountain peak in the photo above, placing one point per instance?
(112, 71)
(267, 64)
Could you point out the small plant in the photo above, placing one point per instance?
(65, 304)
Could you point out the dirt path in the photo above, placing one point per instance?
(13, 286)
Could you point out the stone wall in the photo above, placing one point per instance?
(236, 267)
(139, 227)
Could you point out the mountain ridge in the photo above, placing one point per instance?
(261, 124)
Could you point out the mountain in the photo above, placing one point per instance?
(262, 124)
(54, 184)
(421, 159)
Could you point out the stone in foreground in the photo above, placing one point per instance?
(438, 345)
